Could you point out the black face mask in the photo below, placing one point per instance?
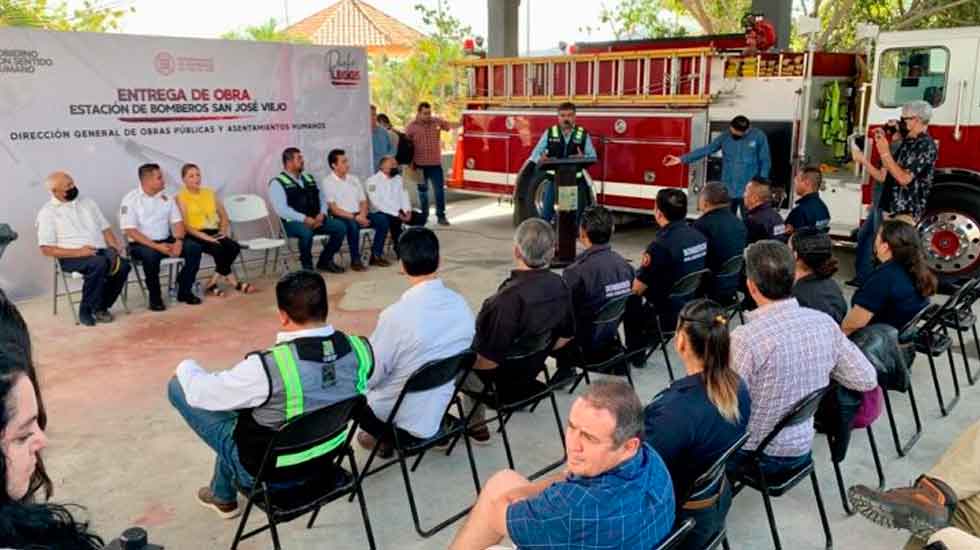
(71, 194)
(903, 128)
(394, 172)
(736, 137)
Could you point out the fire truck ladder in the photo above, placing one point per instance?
(655, 77)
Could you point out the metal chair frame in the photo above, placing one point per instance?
(326, 424)
(715, 474)
(733, 267)
(68, 293)
(931, 338)
(961, 318)
(677, 536)
(683, 291)
(609, 314)
(430, 376)
(803, 411)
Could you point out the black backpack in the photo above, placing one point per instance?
(406, 149)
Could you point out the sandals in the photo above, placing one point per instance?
(214, 290)
(244, 288)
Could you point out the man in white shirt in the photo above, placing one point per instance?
(236, 412)
(429, 322)
(74, 232)
(349, 205)
(152, 223)
(386, 194)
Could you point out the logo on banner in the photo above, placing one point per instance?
(165, 63)
(343, 68)
(22, 61)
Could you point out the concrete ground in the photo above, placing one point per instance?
(118, 448)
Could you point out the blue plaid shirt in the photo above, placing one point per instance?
(629, 507)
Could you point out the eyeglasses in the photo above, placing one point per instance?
(908, 118)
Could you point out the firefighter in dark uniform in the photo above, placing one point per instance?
(810, 211)
(598, 276)
(677, 250)
(762, 221)
(725, 234)
(564, 140)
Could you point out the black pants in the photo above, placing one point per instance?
(640, 323)
(395, 226)
(382, 431)
(100, 289)
(709, 521)
(224, 251)
(190, 252)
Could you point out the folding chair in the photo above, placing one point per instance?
(306, 449)
(167, 265)
(317, 238)
(430, 376)
(66, 278)
(683, 291)
(252, 208)
(677, 536)
(961, 318)
(528, 361)
(713, 478)
(730, 275)
(906, 336)
(800, 413)
(931, 338)
(367, 236)
(613, 362)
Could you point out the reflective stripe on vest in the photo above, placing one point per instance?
(286, 181)
(313, 452)
(365, 363)
(292, 386)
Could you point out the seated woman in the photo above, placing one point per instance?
(693, 422)
(206, 222)
(815, 287)
(26, 521)
(897, 289)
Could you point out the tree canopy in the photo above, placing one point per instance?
(266, 32)
(41, 14)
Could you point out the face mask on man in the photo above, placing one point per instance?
(735, 136)
(71, 194)
(394, 171)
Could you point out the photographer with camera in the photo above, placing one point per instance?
(906, 175)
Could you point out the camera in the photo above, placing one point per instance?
(891, 128)
(134, 538)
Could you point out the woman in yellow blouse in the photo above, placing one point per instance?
(207, 223)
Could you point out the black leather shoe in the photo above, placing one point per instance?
(157, 306)
(190, 299)
(330, 267)
(86, 318)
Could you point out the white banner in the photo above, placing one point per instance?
(100, 105)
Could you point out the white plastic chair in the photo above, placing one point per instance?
(252, 208)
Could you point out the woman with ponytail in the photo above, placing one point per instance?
(694, 421)
(26, 520)
(898, 288)
(815, 287)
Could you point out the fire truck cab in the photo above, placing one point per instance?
(642, 100)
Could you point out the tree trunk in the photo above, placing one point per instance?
(696, 7)
(840, 10)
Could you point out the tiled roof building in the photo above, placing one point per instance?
(357, 23)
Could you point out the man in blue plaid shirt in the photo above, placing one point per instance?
(615, 492)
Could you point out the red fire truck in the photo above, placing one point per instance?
(642, 100)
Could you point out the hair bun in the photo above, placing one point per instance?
(720, 320)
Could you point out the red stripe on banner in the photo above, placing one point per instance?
(179, 118)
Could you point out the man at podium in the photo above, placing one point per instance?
(564, 140)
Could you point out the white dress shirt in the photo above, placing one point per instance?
(71, 224)
(150, 215)
(244, 386)
(346, 193)
(387, 195)
(428, 322)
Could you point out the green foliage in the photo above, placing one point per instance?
(41, 14)
(427, 74)
(266, 32)
(640, 19)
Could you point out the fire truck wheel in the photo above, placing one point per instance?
(951, 229)
(530, 193)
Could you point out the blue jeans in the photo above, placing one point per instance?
(432, 174)
(215, 428)
(772, 466)
(864, 253)
(548, 200)
(353, 231)
(331, 227)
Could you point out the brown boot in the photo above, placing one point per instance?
(227, 510)
(379, 261)
(922, 509)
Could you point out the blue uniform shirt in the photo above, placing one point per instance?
(381, 145)
(742, 159)
(597, 276)
(889, 293)
(542, 146)
(763, 222)
(810, 212)
(726, 239)
(677, 250)
(689, 433)
(627, 508)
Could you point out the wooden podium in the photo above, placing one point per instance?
(566, 205)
